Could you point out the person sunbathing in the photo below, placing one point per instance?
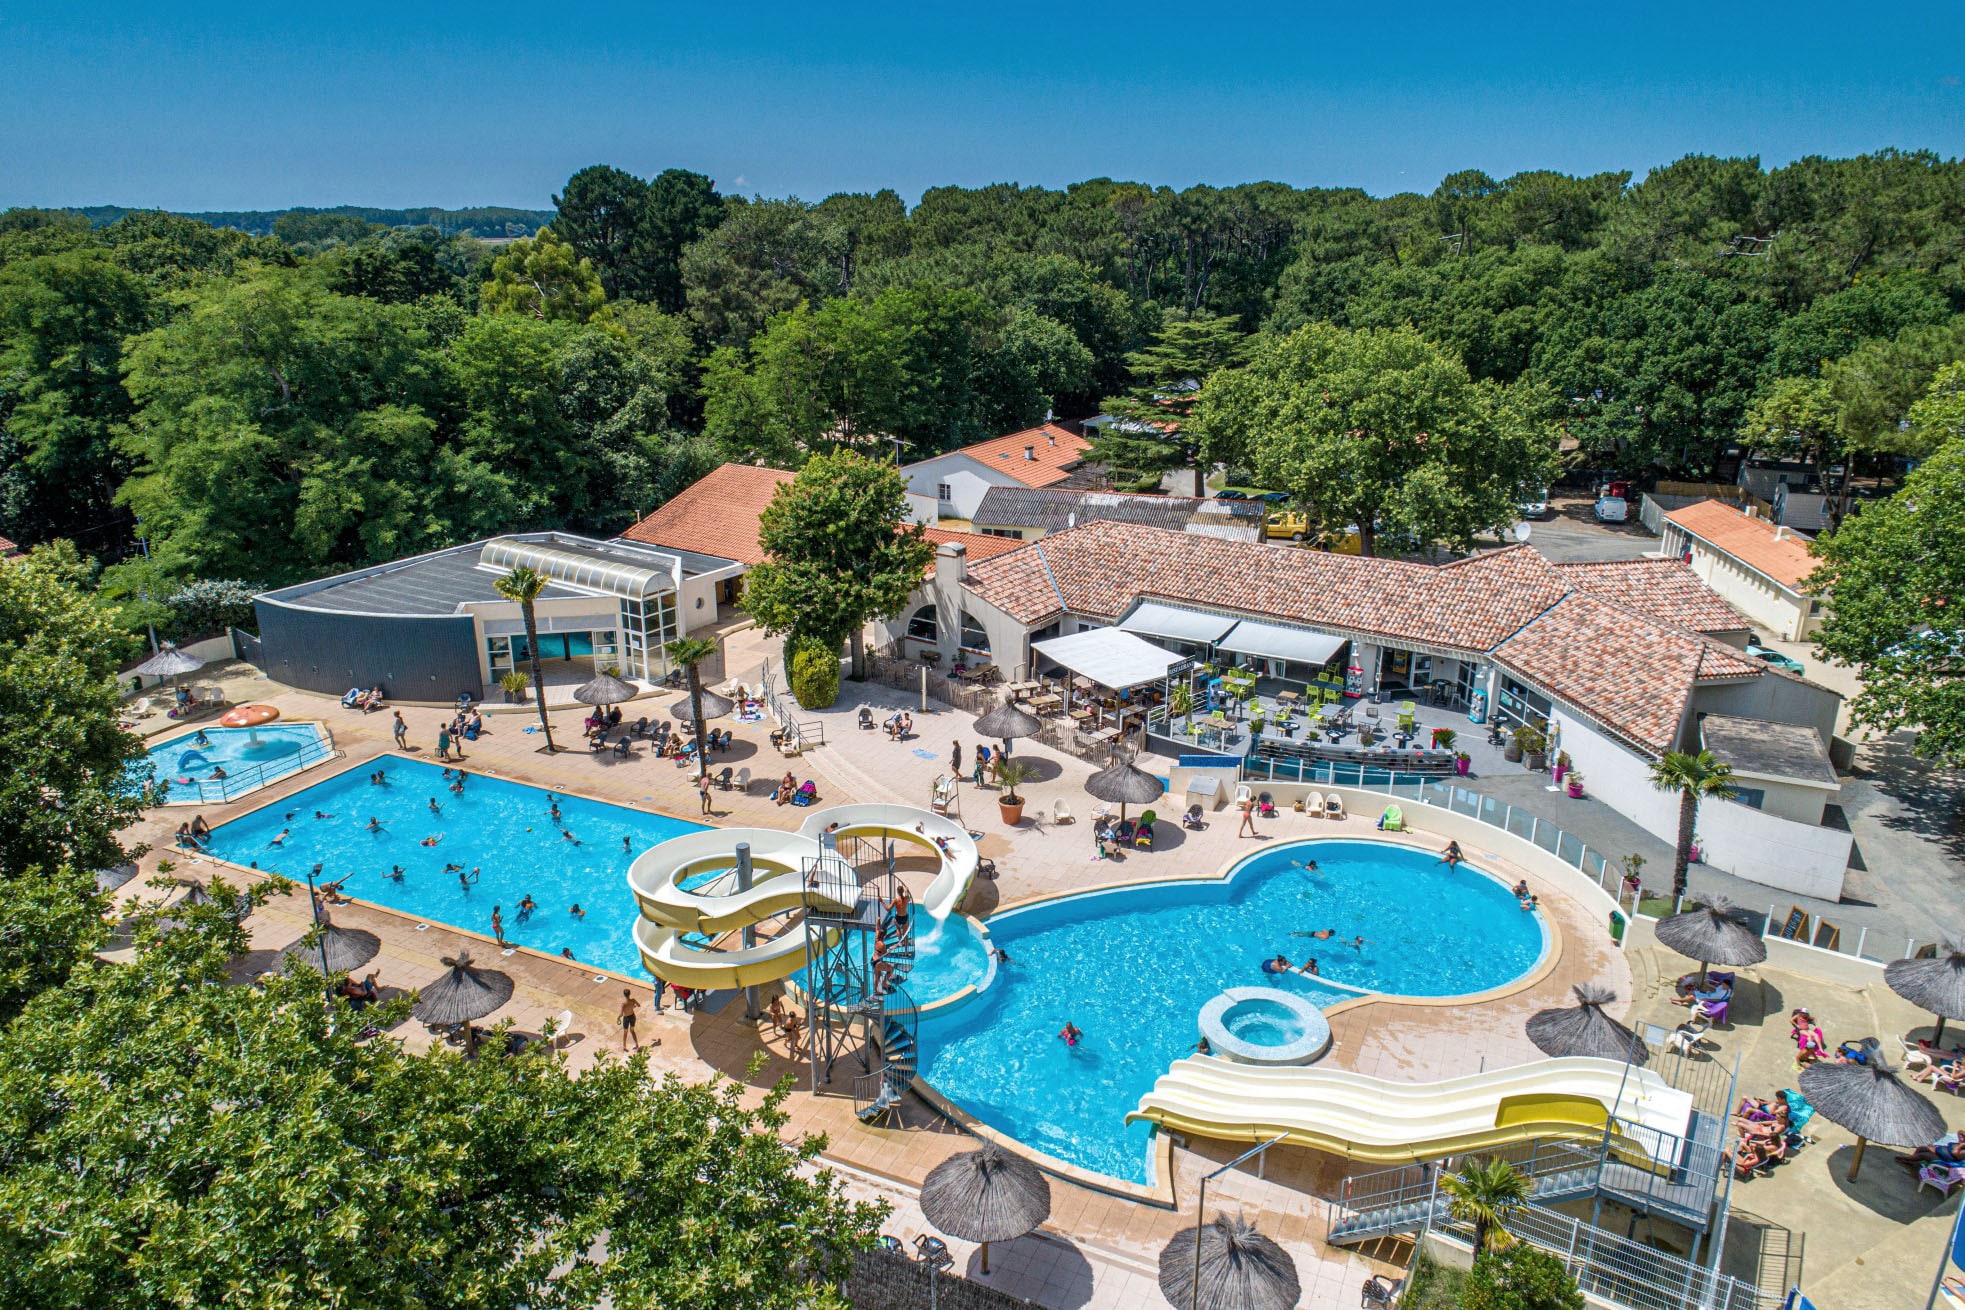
(1715, 996)
(1947, 1150)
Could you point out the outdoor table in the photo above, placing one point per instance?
(1288, 697)
(1079, 716)
(1103, 734)
(1048, 702)
(1329, 713)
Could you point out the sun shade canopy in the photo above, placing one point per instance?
(645, 574)
(1155, 619)
(1280, 643)
(1110, 657)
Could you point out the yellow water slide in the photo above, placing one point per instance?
(1374, 1119)
(791, 872)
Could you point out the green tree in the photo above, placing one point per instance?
(1147, 440)
(1486, 1194)
(63, 319)
(1695, 777)
(681, 209)
(761, 261)
(600, 217)
(542, 278)
(688, 653)
(1379, 428)
(1520, 1278)
(522, 587)
(839, 550)
(1875, 385)
(169, 1139)
(814, 665)
(1796, 418)
(1892, 577)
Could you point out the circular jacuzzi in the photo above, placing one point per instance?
(1263, 1025)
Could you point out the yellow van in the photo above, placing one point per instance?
(1347, 542)
(1286, 525)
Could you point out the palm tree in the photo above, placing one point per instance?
(689, 652)
(1181, 702)
(523, 585)
(1694, 778)
(1486, 1195)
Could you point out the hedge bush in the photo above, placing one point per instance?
(814, 672)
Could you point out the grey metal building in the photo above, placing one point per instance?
(431, 627)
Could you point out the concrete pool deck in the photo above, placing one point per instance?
(1098, 1249)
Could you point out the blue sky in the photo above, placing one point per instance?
(263, 106)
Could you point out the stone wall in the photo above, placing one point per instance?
(888, 1280)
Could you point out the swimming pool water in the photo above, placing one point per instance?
(236, 750)
(502, 829)
(1133, 966)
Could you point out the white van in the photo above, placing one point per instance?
(1613, 509)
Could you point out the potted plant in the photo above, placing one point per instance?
(1512, 752)
(1534, 747)
(1181, 702)
(1462, 762)
(1562, 764)
(1256, 723)
(1575, 785)
(1008, 803)
(1443, 739)
(1366, 737)
(514, 682)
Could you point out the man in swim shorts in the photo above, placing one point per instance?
(628, 1007)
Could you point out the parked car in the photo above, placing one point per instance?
(1534, 504)
(1774, 657)
(1231, 493)
(1613, 509)
(1286, 524)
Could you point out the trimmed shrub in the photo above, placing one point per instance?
(814, 668)
(1520, 1278)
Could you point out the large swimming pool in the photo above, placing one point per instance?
(251, 757)
(1133, 966)
(502, 831)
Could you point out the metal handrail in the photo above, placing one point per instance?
(252, 778)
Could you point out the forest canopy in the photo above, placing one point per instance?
(342, 386)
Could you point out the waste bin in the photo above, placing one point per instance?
(1616, 926)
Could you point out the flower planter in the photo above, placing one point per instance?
(1461, 765)
(1536, 761)
(1012, 811)
(1576, 789)
(1512, 752)
(1559, 771)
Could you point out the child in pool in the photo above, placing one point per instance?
(1070, 1033)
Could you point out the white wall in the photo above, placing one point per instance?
(1781, 612)
(921, 508)
(1737, 839)
(1788, 800)
(967, 481)
(687, 615)
(211, 650)
(1774, 697)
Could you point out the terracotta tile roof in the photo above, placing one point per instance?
(1055, 451)
(1663, 588)
(715, 515)
(8, 547)
(1630, 669)
(1760, 545)
(1054, 509)
(980, 545)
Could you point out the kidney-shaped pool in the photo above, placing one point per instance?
(1131, 967)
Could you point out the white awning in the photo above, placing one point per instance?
(1280, 643)
(1171, 621)
(1110, 658)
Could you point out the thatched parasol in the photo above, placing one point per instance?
(341, 950)
(1007, 721)
(1121, 783)
(169, 662)
(1585, 1029)
(1713, 933)
(463, 995)
(985, 1196)
(1937, 985)
(605, 689)
(714, 706)
(115, 876)
(1239, 1269)
(1872, 1102)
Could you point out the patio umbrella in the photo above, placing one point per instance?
(1585, 1029)
(115, 876)
(1238, 1269)
(714, 706)
(344, 949)
(1713, 933)
(1937, 985)
(1008, 720)
(169, 662)
(463, 995)
(1872, 1102)
(605, 689)
(1121, 784)
(985, 1196)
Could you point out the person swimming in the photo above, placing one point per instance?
(1309, 866)
(434, 807)
(1070, 1033)
(321, 814)
(375, 824)
(627, 845)
(431, 841)
(553, 810)
(457, 787)
(577, 912)
(201, 739)
(395, 873)
(1521, 889)
(1323, 934)
(526, 907)
(467, 880)
(281, 840)
(1452, 855)
(1281, 964)
(567, 835)
(1310, 967)
(454, 868)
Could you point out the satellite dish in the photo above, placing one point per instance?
(1521, 531)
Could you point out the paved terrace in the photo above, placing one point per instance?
(1097, 1249)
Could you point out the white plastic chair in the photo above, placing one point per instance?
(1061, 813)
(1333, 806)
(1313, 805)
(744, 778)
(562, 1028)
(141, 709)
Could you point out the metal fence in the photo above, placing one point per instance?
(216, 791)
(1060, 734)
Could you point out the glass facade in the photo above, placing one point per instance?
(647, 627)
(634, 646)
